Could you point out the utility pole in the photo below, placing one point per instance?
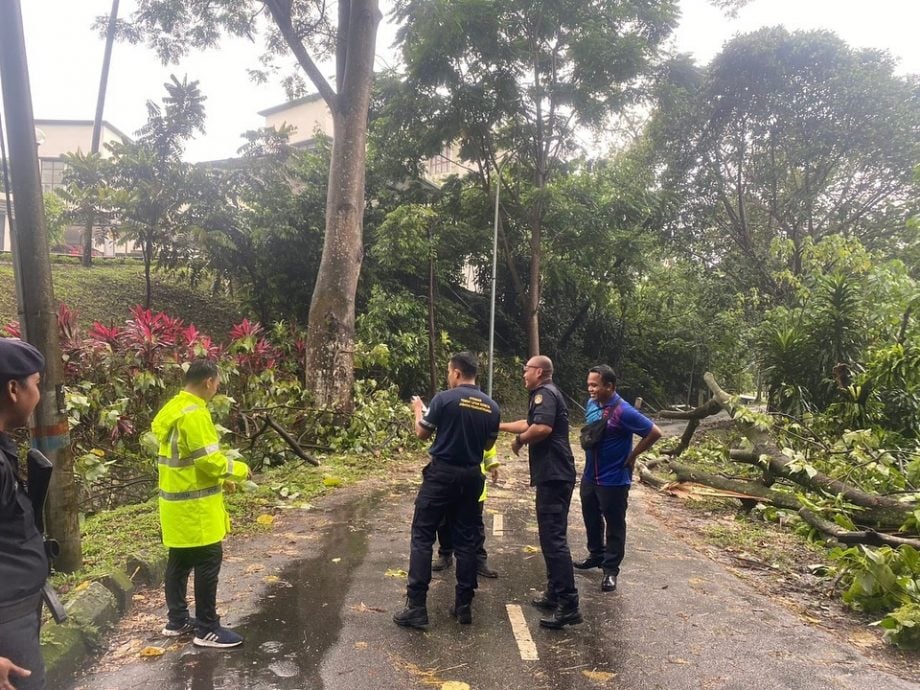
(50, 433)
(97, 123)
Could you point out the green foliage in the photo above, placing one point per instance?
(902, 626)
(879, 580)
(776, 141)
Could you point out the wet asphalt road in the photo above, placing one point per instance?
(323, 618)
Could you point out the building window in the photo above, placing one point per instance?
(52, 174)
(440, 164)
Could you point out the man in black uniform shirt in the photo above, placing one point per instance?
(552, 472)
(465, 421)
(23, 563)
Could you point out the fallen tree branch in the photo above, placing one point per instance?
(844, 536)
(707, 410)
(752, 490)
(298, 451)
(685, 439)
(881, 510)
(648, 477)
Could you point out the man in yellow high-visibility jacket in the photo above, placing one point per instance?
(192, 475)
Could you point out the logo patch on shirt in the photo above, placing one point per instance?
(538, 398)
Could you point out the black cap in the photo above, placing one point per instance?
(19, 359)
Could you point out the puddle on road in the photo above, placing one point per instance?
(299, 618)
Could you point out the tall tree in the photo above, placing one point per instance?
(152, 188)
(521, 76)
(785, 139)
(307, 30)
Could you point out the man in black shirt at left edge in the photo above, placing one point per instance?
(23, 563)
(465, 423)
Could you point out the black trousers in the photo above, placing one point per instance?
(19, 643)
(205, 561)
(600, 505)
(452, 493)
(553, 499)
(446, 539)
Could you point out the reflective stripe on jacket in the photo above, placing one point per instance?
(192, 471)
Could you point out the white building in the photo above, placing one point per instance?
(309, 114)
(56, 138)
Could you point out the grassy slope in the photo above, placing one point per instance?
(106, 292)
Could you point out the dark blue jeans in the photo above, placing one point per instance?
(452, 493)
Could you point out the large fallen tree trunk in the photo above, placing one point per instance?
(752, 490)
(878, 510)
(844, 536)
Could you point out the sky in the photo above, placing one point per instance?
(65, 59)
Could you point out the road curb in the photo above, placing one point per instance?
(92, 611)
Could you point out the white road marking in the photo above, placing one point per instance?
(498, 524)
(525, 643)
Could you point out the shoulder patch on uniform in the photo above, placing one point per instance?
(538, 398)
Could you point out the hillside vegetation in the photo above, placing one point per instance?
(107, 291)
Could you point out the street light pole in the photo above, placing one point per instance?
(50, 431)
(498, 189)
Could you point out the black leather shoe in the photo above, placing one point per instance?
(463, 613)
(545, 602)
(484, 570)
(562, 616)
(588, 563)
(442, 563)
(609, 583)
(413, 616)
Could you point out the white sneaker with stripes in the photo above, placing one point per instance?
(221, 638)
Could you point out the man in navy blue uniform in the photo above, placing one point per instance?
(608, 473)
(552, 472)
(23, 563)
(465, 422)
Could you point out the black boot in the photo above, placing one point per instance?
(415, 615)
(483, 569)
(566, 613)
(443, 562)
(609, 583)
(462, 612)
(588, 563)
(545, 601)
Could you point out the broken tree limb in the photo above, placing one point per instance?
(298, 451)
(844, 536)
(649, 477)
(685, 439)
(880, 510)
(719, 395)
(751, 490)
(710, 408)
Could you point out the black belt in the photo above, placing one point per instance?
(22, 607)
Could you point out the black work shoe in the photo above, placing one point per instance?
(563, 615)
(463, 613)
(544, 601)
(442, 563)
(413, 616)
(588, 563)
(484, 570)
(609, 583)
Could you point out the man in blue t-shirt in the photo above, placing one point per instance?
(608, 473)
(464, 421)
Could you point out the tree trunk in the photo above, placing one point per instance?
(870, 537)
(432, 364)
(878, 510)
(331, 328)
(97, 123)
(148, 259)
